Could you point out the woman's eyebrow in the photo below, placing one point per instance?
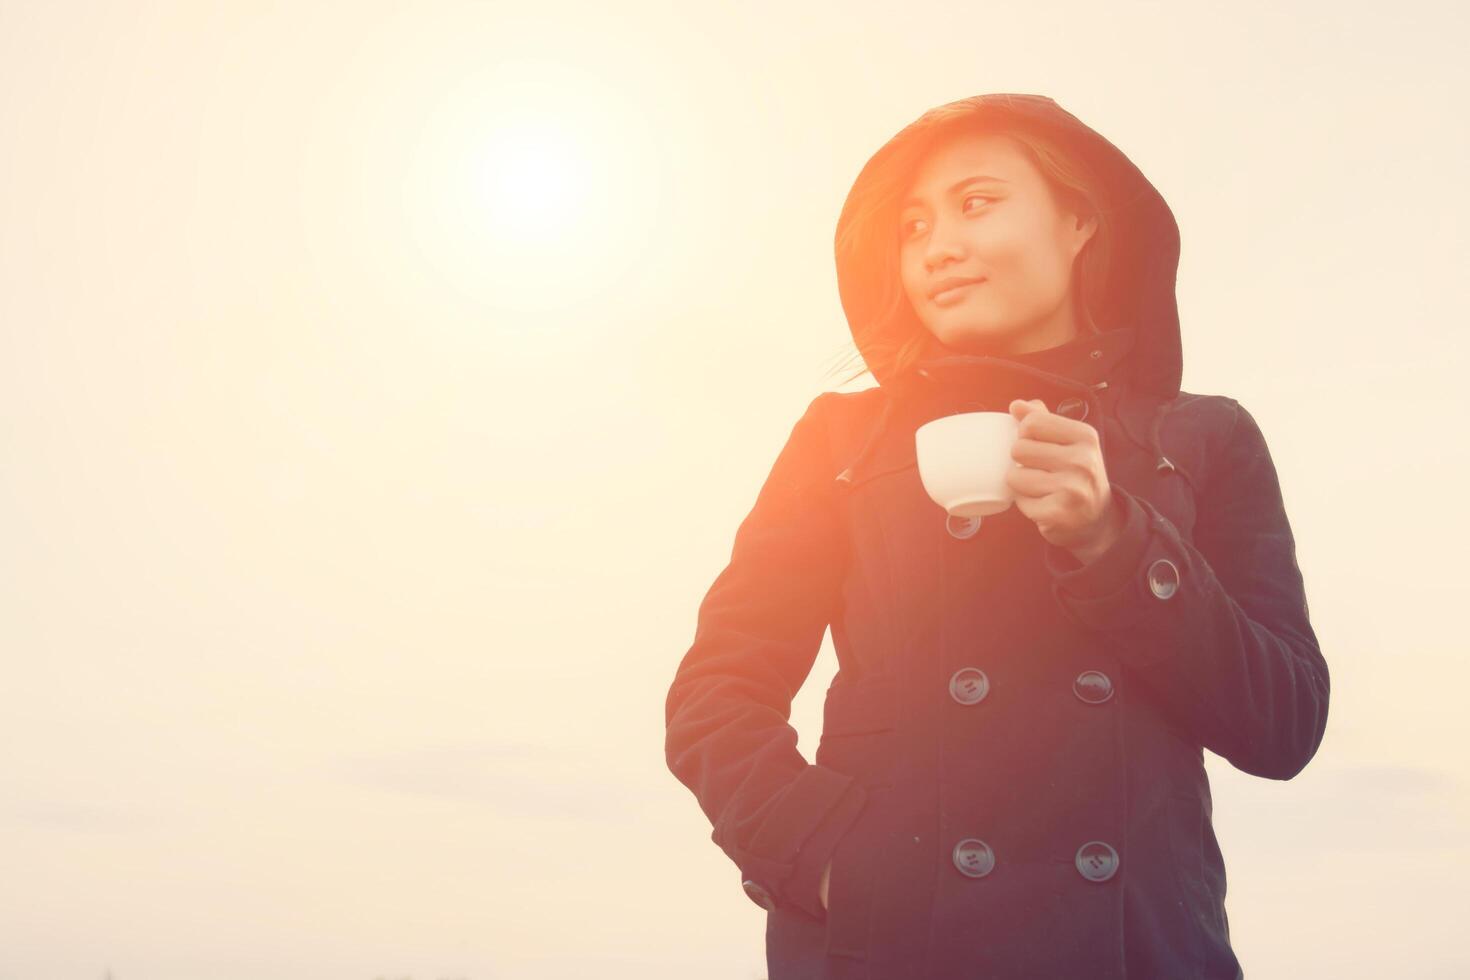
(909, 202)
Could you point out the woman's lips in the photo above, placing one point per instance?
(952, 296)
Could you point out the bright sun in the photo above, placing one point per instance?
(535, 183)
(534, 189)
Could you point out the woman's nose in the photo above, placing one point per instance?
(944, 245)
(940, 255)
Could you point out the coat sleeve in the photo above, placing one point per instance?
(1217, 629)
(759, 629)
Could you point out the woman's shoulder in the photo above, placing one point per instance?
(1140, 408)
(845, 409)
(1203, 402)
(1205, 415)
(850, 400)
(1210, 432)
(1204, 408)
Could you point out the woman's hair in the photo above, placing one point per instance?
(868, 242)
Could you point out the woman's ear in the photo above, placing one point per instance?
(1084, 227)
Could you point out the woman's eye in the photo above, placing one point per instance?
(904, 229)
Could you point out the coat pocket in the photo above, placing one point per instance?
(853, 887)
(859, 723)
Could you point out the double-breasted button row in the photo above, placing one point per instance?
(961, 527)
(970, 685)
(1163, 578)
(1073, 408)
(1095, 860)
(973, 857)
(1093, 687)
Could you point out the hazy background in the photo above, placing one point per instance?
(381, 386)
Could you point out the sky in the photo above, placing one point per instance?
(381, 386)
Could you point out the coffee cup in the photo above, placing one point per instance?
(963, 461)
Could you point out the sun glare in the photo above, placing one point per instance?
(534, 184)
(530, 188)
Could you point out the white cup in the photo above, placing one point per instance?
(963, 461)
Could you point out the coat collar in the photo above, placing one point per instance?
(1069, 378)
(1081, 365)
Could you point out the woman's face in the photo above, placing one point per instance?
(978, 208)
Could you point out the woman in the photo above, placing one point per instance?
(1010, 781)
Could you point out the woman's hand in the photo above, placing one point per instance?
(822, 888)
(1061, 484)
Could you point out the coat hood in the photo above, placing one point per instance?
(1136, 311)
(1140, 289)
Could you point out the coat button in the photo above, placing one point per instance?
(1097, 861)
(969, 685)
(1074, 408)
(961, 527)
(1093, 686)
(973, 857)
(758, 895)
(1163, 578)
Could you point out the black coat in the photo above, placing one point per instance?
(1010, 781)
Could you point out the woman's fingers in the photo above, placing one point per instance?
(1047, 510)
(1037, 422)
(1028, 482)
(1044, 455)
